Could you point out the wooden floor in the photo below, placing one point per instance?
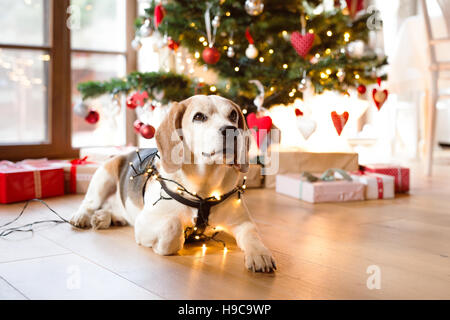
(322, 252)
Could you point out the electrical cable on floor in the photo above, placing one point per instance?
(30, 226)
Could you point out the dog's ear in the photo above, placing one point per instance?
(168, 138)
(242, 152)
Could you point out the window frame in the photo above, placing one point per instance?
(59, 98)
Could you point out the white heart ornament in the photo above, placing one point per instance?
(306, 127)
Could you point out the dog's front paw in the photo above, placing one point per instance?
(81, 219)
(260, 260)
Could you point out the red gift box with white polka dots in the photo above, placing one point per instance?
(400, 174)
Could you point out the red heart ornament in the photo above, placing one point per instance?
(298, 112)
(339, 120)
(379, 97)
(259, 126)
(302, 43)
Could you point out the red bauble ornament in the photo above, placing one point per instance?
(339, 120)
(379, 97)
(302, 43)
(137, 125)
(259, 126)
(92, 117)
(172, 44)
(131, 103)
(298, 112)
(147, 131)
(211, 55)
(361, 89)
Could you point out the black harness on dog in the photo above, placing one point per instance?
(147, 168)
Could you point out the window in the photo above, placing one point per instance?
(24, 62)
(98, 43)
(41, 62)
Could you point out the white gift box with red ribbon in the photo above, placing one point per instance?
(377, 186)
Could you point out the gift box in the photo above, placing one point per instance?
(295, 160)
(101, 154)
(299, 187)
(24, 181)
(400, 174)
(377, 186)
(77, 174)
(254, 177)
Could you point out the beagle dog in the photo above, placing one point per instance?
(195, 151)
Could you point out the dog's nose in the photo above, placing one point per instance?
(227, 130)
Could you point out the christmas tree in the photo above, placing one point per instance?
(287, 46)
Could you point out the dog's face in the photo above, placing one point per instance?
(207, 129)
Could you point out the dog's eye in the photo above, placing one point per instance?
(199, 117)
(233, 116)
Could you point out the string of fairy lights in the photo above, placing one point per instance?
(197, 232)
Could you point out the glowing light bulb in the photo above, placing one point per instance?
(311, 30)
(205, 43)
(285, 66)
(201, 39)
(328, 71)
(244, 111)
(197, 237)
(216, 195)
(291, 94)
(357, 76)
(329, 33)
(225, 250)
(328, 51)
(236, 69)
(271, 51)
(261, 59)
(228, 13)
(213, 88)
(323, 75)
(197, 55)
(346, 37)
(317, 55)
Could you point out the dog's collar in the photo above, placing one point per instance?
(203, 205)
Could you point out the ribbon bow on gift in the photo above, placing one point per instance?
(328, 175)
(76, 162)
(73, 172)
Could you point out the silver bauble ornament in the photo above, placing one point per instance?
(254, 7)
(146, 29)
(230, 52)
(216, 22)
(81, 109)
(136, 44)
(251, 52)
